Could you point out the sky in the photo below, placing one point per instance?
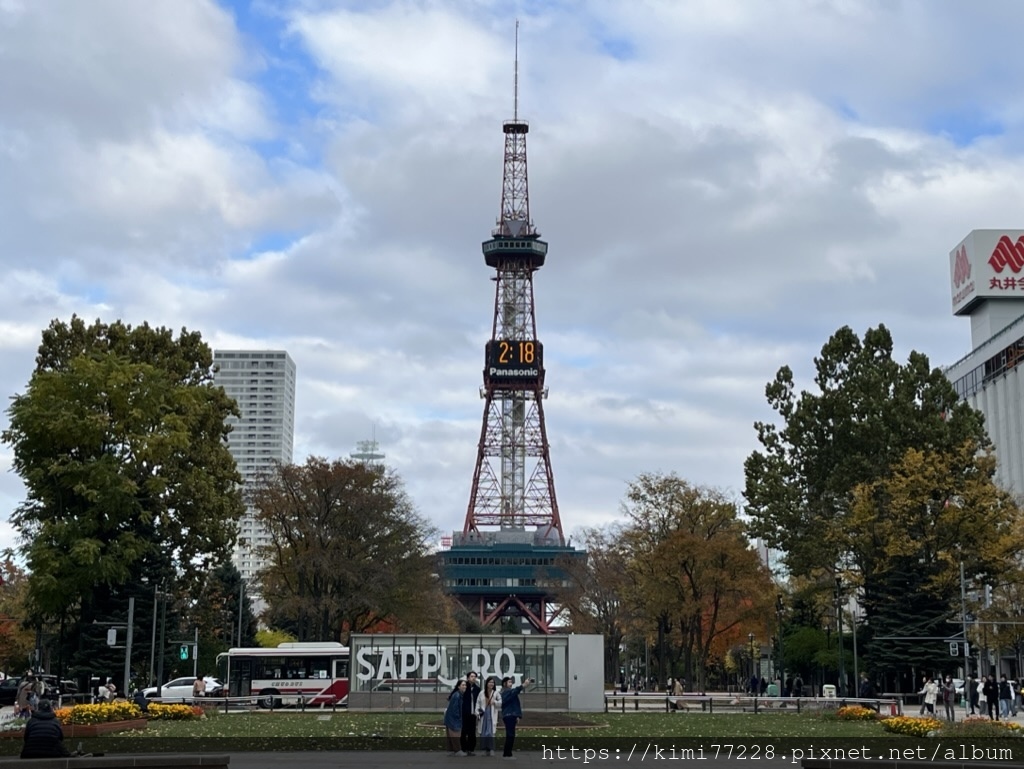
(723, 184)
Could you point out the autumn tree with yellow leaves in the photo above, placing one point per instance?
(692, 584)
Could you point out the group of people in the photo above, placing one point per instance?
(986, 696)
(936, 689)
(1000, 696)
(474, 712)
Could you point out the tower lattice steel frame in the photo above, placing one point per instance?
(513, 483)
(510, 558)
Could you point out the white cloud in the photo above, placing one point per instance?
(720, 195)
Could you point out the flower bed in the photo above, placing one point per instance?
(159, 712)
(915, 727)
(856, 713)
(105, 712)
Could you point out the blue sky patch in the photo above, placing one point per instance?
(965, 126)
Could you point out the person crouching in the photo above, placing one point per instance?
(43, 735)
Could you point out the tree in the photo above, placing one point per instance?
(16, 639)
(120, 438)
(885, 478)
(213, 610)
(910, 531)
(596, 594)
(271, 639)
(868, 412)
(692, 567)
(348, 552)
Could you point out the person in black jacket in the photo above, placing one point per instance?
(468, 738)
(43, 735)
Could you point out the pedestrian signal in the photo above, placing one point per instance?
(954, 649)
(183, 652)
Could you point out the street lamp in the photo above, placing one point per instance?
(753, 689)
(782, 650)
(827, 620)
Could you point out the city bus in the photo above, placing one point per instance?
(312, 673)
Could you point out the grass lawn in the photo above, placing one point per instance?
(262, 731)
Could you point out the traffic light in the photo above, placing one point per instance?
(183, 652)
(112, 637)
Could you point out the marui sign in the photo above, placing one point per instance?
(987, 264)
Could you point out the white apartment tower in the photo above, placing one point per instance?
(262, 382)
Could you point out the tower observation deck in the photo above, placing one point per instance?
(507, 563)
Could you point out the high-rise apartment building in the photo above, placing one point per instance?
(262, 382)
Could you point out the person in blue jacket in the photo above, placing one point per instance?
(453, 718)
(511, 711)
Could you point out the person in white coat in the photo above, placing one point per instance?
(488, 711)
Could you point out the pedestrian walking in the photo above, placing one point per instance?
(1005, 697)
(972, 692)
(930, 693)
(511, 711)
(990, 691)
(453, 719)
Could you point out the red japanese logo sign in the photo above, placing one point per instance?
(1007, 254)
(961, 267)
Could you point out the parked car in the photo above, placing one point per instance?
(181, 689)
(9, 690)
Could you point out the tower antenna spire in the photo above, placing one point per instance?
(515, 87)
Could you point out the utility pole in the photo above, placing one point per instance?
(241, 611)
(152, 638)
(839, 636)
(195, 654)
(163, 650)
(128, 646)
(963, 620)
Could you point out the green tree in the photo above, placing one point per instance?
(869, 409)
(214, 608)
(883, 477)
(348, 553)
(271, 639)
(120, 439)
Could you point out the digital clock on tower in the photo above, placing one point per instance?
(515, 359)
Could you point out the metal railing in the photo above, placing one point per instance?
(733, 703)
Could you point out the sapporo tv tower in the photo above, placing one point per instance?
(506, 565)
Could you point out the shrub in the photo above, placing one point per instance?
(120, 710)
(914, 727)
(980, 727)
(161, 712)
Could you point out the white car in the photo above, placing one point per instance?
(181, 689)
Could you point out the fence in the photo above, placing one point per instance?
(732, 703)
